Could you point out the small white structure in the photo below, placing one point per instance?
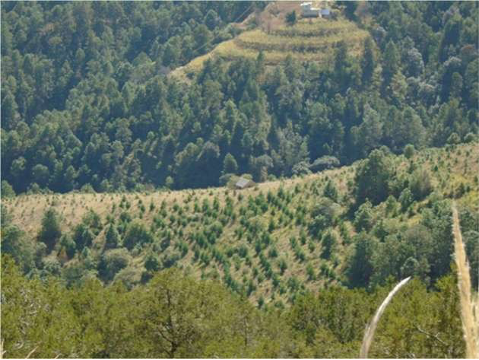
(325, 13)
(307, 10)
(243, 183)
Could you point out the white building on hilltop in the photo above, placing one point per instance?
(307, 10)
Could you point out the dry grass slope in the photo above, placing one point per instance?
(178, 216)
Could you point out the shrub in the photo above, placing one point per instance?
(323, 163)
(420, 184)
(283, 265)
(67, 243)
(7, 190)
(273, 253)
(406, 199)
(299, 253)
(409, 151)
(112, 262)
(291, 17)
(330, 191)
(329, 243)
(363, 218)
(83, 236)
(136, 233)
(324, 215)
(469, 138)
(112, 237)
(152, 263)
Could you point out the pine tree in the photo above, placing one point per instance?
(230, 166)
(368, 62)
(50, 232)
(112, 237)
(391, 61)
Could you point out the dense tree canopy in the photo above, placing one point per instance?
(88, 102)
(176, 316)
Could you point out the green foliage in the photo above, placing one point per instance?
(88, 103)
(408, 252)
(471, 239)
(331, 191)
(291, 18)
(420, 184)
(323, 216)
(203, 319)
(283, 265)
(469, 138)
(373, 178)
(68, 245)
(230, 166)
(73, 118)
(83, 236)
(112, 237)
(323, 235)
(50, 232)
(391, 205)
(364, 218)
(437, 220)
(406, 199)
(92, 220)
(421, 314)
(409, 151)
(16, 244)
(112, 262)
(360, 265)
(7, 190)
(329, 243)
(136, 234)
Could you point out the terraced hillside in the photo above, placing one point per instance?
(269, 242)
(307, 40)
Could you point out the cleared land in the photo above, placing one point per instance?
(307, 40)
(204, 234)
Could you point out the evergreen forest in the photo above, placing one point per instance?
(87, 102)
(125, 127)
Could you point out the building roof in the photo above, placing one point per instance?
(242, 182)
(325, 11)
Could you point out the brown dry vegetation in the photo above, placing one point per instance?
(27, 210)
(458, 167)
(273, 16)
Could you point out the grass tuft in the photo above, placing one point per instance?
(369, 334)
(470, 322)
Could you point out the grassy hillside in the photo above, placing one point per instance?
(311, 39)
(258, 239)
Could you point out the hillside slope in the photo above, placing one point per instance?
(262, 241)
(312, 39)
(87, 102)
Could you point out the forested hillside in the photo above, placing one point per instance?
(87, 101)
(125, 126)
